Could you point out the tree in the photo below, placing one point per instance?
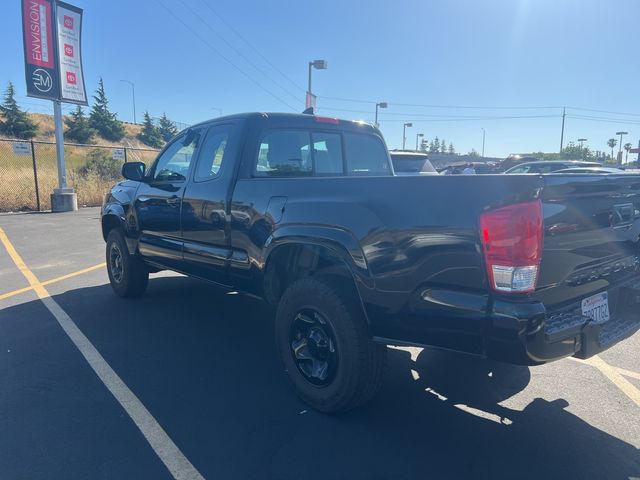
(150, 134)
(424, 145)
(627, 147)
(105, 122)
(612, 142)
(473, 153)
(443, 146)
(167, 128)
(436, 146)
(572, 152)
(452, 151)
(78, 129)
(17, 123)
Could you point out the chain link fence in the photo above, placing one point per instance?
(28, 172)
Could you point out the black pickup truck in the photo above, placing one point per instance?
(306, 213)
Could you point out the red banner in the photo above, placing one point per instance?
(38, 26)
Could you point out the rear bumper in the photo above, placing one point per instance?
(525, 333)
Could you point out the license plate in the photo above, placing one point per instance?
(596, 307)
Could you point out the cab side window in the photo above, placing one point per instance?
(173, 164)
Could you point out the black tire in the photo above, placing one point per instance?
(128, 275)
(355, 368)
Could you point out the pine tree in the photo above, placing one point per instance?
(150, 134)
(105, 122)
(167, 128)
(436, 145)
(452, 150)
(16, 123)
(443, 146)
(78, 129)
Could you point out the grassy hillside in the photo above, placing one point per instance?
(46, 132)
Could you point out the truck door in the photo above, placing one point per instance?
(205, 235)
(158, 201)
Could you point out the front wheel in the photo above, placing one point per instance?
(128, 275)
(326, 348)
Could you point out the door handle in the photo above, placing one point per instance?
(173, 200)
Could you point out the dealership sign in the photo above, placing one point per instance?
(53, 65)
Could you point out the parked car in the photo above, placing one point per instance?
(591, 170)
(304, 212)
(481, 168)
(407, 162)
(548, 166)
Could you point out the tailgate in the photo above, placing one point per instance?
(591, 236)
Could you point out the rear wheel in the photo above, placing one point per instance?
(128, 275)
(326, 348)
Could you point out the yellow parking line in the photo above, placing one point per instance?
(614, 375)
(628, 373)
(53, 280)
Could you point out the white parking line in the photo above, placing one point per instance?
(161, 443)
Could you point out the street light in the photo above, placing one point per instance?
(483, 136)
(320, 65)
(380, 105)
(417, 136)
(133, 92)
(620, 146)
(582, 140)
(404, 133)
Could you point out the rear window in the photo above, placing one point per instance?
(366, 155)
(327, 153)
(412, 164)
(284, 153)
(304, 153)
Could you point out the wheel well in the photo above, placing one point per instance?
(109, 222)
(291, 262)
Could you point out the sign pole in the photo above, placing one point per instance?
(62, 172)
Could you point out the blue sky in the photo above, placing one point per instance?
(463, 53)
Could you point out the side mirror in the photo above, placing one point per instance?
(133, 171)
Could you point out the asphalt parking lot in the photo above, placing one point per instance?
(201, 362)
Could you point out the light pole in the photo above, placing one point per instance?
(417, 136)
(320, 65)
(380, 105)
(404, 133)
(620, 145)
(582, 140)
(133, 93)
(483, 137)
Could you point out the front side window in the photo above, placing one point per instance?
(366, 155)
(173, 164)
(212, 152)
(522, 169)
(284, 153)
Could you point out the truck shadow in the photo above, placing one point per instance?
(203, 362)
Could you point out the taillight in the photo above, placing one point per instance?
(512, 243)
